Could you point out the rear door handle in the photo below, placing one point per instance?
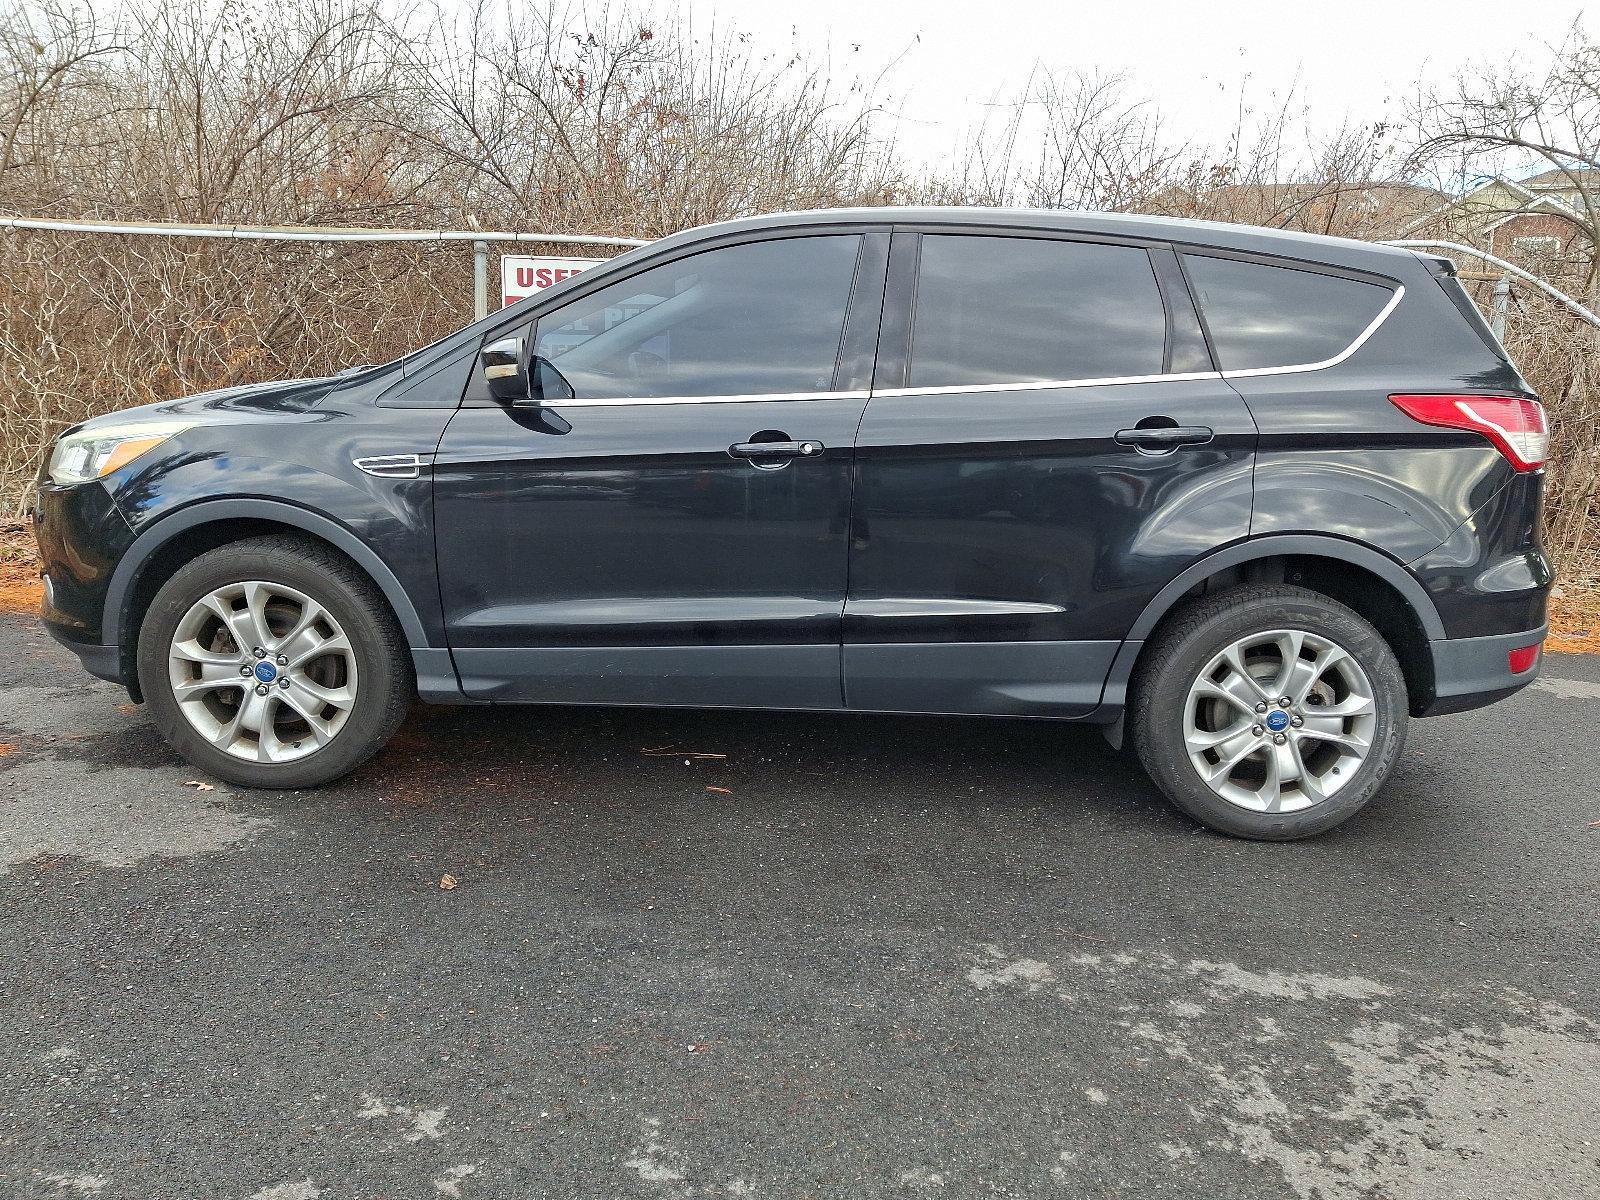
(760, 450)
(1162, 439)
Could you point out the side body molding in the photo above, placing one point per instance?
(1272, 546)
(436, 678)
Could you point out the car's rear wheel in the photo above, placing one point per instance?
(273, 662)
(1269, 712)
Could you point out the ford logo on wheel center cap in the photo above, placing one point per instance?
(1277, 719)
(266, 673)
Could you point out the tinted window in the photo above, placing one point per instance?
(1261, 316)
(753, 319)
(1022, 310)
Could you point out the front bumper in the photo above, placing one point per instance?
(1472, 672)
(82, 536)
(103, 662)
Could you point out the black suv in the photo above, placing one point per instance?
(1252, 496)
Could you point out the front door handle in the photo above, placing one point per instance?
(776, 450)
(1163, 439)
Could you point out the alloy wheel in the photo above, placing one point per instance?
(1279, 721)
(262, 671)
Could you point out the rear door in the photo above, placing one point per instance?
(675, 533)
(1046, 446)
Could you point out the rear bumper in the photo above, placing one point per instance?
(1472, 672)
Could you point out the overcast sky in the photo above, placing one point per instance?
(956, 57)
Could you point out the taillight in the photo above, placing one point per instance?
(1522, 660)
(1516, 426)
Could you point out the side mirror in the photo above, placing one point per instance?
(502, 371)
(517, 386)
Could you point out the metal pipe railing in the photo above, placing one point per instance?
(480, 239)
(304, 233)
(1510, 269)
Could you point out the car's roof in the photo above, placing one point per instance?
(1309, 247)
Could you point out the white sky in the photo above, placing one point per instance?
(1350, 57)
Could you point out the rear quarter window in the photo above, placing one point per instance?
(1464, 305)
(1262, 316)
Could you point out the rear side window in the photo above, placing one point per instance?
(998, 310)
(1262, 316)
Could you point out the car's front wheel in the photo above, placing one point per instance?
(1269, 712)
(273, 662)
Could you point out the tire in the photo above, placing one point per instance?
(334, 638)
(1193, 708)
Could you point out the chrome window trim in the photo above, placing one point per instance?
(1377, 322)
(1043, 385)
(609, 401)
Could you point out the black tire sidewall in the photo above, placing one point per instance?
(1164, 690)
(377, 674)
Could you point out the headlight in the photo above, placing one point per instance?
(97, 451)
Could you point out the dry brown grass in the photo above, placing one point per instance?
(1575, 619)
(20, 590)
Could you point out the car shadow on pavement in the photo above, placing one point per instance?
(528, 751)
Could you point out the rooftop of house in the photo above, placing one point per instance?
(1556, 178)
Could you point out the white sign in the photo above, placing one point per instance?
(523, 275)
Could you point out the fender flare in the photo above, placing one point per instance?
(206, 512)
(1276, 545)
(1115, 693)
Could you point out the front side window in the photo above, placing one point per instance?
(1265, 316)
(1016, 310)
(756, 319)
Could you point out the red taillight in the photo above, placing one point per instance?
(1523, 659)
(1515, 426)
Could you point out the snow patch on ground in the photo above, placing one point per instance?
(1498, 1108)
(1002, 972)
(414, 1124)
(304, 1190)
(81, 1185)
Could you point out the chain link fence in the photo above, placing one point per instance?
(99, 316)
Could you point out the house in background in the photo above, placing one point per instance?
(1341, 207)
(1540, 223)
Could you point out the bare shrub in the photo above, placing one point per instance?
(342, 112)
(619, 124)
(1560, 355)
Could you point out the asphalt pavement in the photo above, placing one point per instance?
(569, 953)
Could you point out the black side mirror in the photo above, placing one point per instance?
(519, 386)
(503, 372)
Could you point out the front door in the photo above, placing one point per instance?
(675, 533)
(1047, 445)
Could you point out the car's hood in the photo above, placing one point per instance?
(244, 402)
(280, 397)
